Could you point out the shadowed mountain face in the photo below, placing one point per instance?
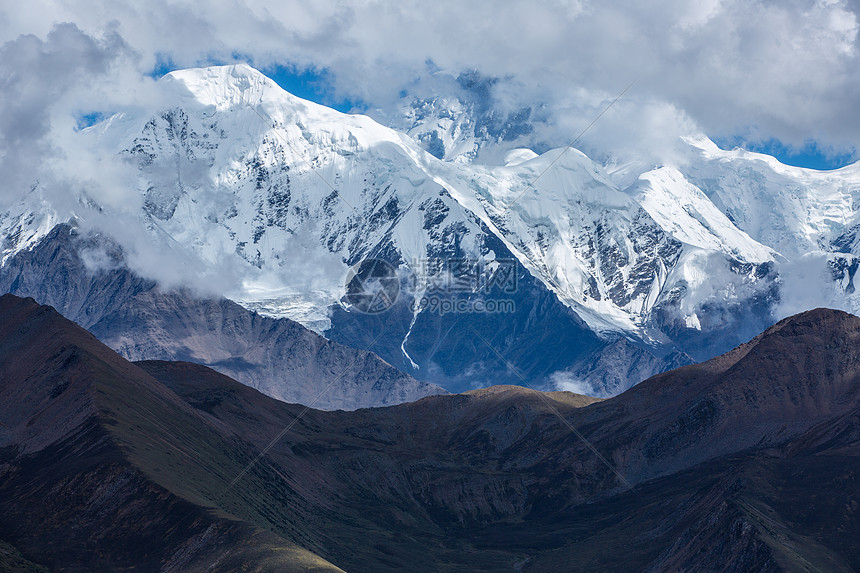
(98, 461)
(746, 462)
(279, 357)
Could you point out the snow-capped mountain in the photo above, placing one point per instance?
(235, 173)
(464, 126)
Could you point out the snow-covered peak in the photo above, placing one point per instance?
(288, 194)
(688, 215)
(711, 151)
(518, 155)
(228, 88)
(234, 91)
(792, 210)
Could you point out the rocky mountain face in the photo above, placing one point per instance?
(136, 318)
(745, 462)
(689, 258)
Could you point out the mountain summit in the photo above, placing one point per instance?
(279, 198)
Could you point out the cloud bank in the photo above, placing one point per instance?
(783, 70)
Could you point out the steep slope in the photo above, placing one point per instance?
(702, 196)
(264, 173)
(792, 210)
(141, 321)
(798, 374)
(745, 462)
(712, 452)
(104, 468)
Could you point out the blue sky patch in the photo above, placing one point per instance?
(311, 84)
(316, 85)
(85, 120)
(810, 156)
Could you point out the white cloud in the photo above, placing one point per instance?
(807, 283)
(786, 69)
(567, 382)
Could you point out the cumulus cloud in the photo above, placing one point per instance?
(35, 75)
(767, 69)
(46, 84)
(567, 382)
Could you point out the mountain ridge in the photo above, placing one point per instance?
(81, 426)
(495, 477)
